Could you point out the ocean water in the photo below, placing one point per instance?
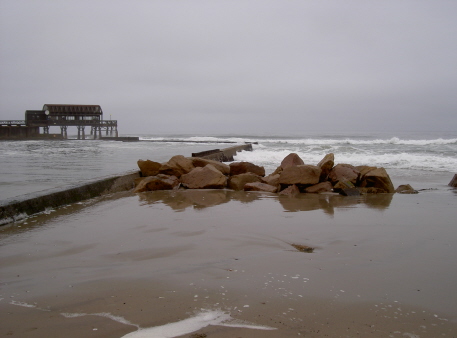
(425, 160)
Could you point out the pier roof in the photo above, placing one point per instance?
(73, 109)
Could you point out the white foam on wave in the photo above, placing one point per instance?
(191, 139)
(271, 159)
(343, 141)
(309, 141)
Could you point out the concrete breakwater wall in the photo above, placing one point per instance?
(29, 205)
(18, 208)
(223, 155)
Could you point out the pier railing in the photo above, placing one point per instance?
(12, 123)
(98, 123)
(89, 123)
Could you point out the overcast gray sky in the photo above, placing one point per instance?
(233, 66)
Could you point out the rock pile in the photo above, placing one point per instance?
(293, 176)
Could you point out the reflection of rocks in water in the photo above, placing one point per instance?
(307, 202)
(206, 198)
(174, 199)
(378, 201)
(199, 199)
(328, 202)
(245, 197)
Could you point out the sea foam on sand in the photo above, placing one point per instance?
(201, 320)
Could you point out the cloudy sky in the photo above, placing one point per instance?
(237, 66)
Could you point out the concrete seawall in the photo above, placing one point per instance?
(23, 206)
(223, 155)
(29, 204)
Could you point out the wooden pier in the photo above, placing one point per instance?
(63, 116)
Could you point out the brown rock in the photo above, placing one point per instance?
(207, 177)
(272, 179)
(343, 172)
(137, 180)
(291, 190)
(166, 169)
(377, 178)
(406, 189)
(149, 168)
(259, 186)
(300, 174)
(291, 160)
(237, 182)
(159, 182)
(201, 162)
(320, 187)
(363, 169)
(326, 165)
(344, 184)
(278, 170)
(237, 168)
(453, 182)
(177, 165)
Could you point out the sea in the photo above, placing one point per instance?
(426, 160)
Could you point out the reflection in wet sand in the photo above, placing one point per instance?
(200, 199)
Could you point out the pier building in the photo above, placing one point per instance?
(63, 116)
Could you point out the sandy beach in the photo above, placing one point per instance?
(219, 263)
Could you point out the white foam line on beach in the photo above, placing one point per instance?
(101, 314)
(24, 304)
(201, 320)
(13, 302)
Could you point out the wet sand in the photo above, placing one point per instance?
(382, 266)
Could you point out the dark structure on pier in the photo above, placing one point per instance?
(64, 116)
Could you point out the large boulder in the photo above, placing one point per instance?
(201, 162)
(237, 168)
(377, 178)
(177, 166)
(149, 168)
(363, 169)
(343, 172)
(272, 179)
(166, 169)
(300, 174)
(258, 186)
(237, 182)
(291, 160)
(326, 165)
(320, 187)
(207, 177)
(159, 182)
